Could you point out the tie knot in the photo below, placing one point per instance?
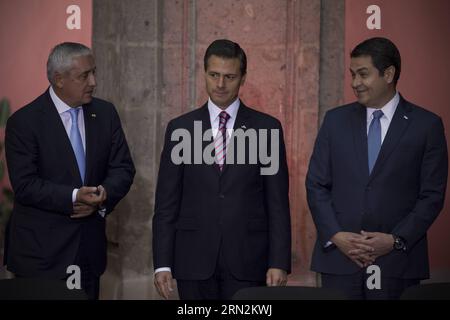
(224, 116)
(377, 114)
(74, 114)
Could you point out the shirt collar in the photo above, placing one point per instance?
(60, 105)
(388, 109)
(214, 110)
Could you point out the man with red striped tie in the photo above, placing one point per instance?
(221, 224)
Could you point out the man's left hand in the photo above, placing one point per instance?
(276, 277)
(81, 210)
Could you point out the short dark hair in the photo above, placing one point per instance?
(383, 52)
(226, 49)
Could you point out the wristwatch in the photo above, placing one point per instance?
(399, 243)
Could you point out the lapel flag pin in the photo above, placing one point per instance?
(405, 117)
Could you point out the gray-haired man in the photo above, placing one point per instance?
(69, 165)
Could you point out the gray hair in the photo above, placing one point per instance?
(61, 56)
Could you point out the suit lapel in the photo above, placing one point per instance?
(397, 128)
(91, 132)
(61, 141)
(206, 125)
(242, 122)
(359, 128)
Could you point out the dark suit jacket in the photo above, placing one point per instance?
(403, 195)
(198, 209)
(43, 240)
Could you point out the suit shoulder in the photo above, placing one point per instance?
(342, 110)
(103, 107)
(422, 113)
(263, 118)
(341, 113)
(29, 110)
(261, 115)
(185, 118)
(102, 104)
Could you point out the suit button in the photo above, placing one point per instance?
(221, 196)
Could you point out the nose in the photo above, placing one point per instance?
(356, 81)
(92, 80)
(221, 82)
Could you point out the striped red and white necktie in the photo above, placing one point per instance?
(220, 141)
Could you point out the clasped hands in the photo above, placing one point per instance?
(365, 247)
(88, 201)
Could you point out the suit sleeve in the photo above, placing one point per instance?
(318, 186)
(276, 188)
(22, 156)
(433, 183)
(167, 204)
(121, 171)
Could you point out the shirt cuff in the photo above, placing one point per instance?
(329, 243)
(74, 195)
(102, 212)
(163, 269)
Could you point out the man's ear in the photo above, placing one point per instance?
(59, 80)
(389, 74)
(243, 79)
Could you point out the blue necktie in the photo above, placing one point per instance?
(77, 143)
(374, 138)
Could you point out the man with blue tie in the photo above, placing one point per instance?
(69, 165)
(376, 182)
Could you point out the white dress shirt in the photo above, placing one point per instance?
(214, 112)
(388, 113)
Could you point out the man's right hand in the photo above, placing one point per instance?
(92, 196)
(345, 241)
(164, 283)
(87, 201)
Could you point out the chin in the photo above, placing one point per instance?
(362, 101)
(87, 100)
(219, 103)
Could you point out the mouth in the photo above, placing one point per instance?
(219, 93)
(360, 91)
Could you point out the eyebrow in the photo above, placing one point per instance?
(225, 74)
(360, 69)
(87, 71)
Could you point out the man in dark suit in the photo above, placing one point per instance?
(220, 225)
(376, 182)
(69, 165)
